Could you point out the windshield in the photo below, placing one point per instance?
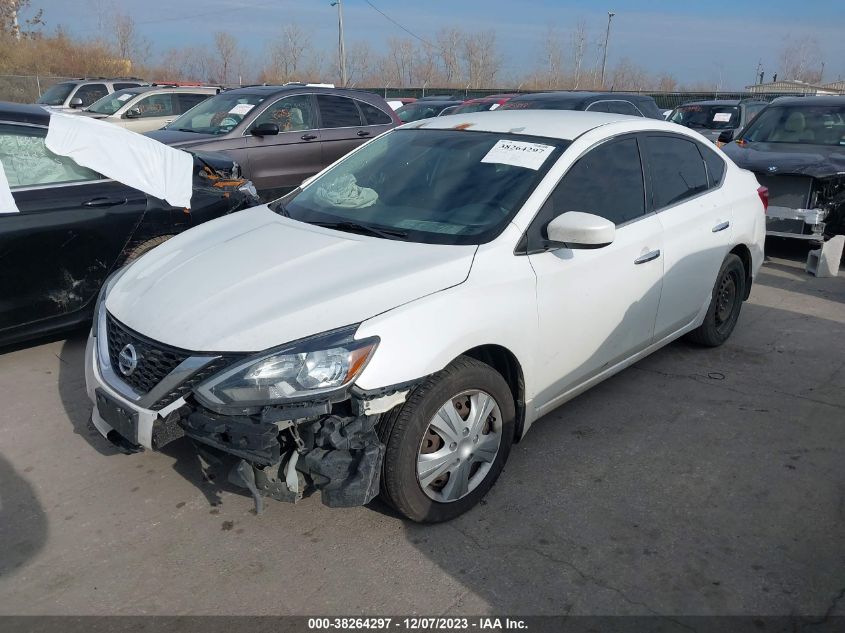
(218, 115)
(418, 111)
(112, 103)
(433, 186)
(803, 124)
(56, 95)
(708, 117)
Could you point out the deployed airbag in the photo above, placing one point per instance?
(7, 202)
(127, 157)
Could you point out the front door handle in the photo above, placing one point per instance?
(308, 137)
(363, 133)
(104, 202)
(721, 226)
(642, 259)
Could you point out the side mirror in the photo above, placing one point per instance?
(265, 129)
(726, 136)
(76, 102)
(574, 229)
(133, 113)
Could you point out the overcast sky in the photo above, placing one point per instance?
(697, 41)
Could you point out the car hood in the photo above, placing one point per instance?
(818, 161)
(180, 139)
(254, 280)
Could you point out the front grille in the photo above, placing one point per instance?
(155, 361)
(792, 192)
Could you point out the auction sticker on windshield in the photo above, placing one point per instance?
(241, 108)
(124, 97)
(722, 117)
(518, 154)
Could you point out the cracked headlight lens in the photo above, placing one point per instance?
(320, 364)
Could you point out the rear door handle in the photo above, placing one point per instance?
(721, 227)
(308, 137)
(363, 133)
(104, 202)
(642, 259)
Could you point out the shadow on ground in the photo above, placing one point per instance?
(23, 523)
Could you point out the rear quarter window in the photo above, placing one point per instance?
(373, 115)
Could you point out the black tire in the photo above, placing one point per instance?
(725, 304)
(402, 432)
(145, 247)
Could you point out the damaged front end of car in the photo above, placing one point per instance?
(283, 423)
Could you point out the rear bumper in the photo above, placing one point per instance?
(805, 224)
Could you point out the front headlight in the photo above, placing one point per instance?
(316, 365)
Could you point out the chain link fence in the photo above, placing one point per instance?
(27, 89)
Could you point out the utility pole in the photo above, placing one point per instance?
(610, 15)
(341, 49)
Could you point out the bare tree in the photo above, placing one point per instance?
(449, 44)
(287, 56)
(801, 60)
(552, 57)
(628, 76)
(481, 60)
(400, 61)
(359, 62)
(228, 56)
(426, 70)
(128, 43)
(10, 18)
(578, 47)
(666, 83)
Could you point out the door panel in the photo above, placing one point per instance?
(596, 306)
(342, 127)
(57, 251)
(284, 160)
(697, 231)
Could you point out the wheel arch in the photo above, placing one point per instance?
(508, 366)
(744, 254)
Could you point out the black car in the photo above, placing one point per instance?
(717, 119)
(426, 108)
(796, 148)
(74, 226)
(615, 102)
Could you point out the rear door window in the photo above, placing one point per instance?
(677, 169)
(338, 111)
(623, 107)
(598, 106)
(89, 93)
(188, 100)
(373, 115)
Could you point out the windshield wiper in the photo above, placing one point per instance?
(362, 229)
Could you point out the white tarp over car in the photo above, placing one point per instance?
(127, 157)
(7, 202)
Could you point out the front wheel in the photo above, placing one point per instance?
(725, 304)
(448, 443)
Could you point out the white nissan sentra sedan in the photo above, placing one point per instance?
(398, 322)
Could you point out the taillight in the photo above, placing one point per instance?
(763, 192)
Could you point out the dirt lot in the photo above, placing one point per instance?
(697, 482)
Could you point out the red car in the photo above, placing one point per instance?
(482, 104)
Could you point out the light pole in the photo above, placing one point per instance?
(610, 15)
(341, 49)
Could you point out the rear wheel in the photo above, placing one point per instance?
(448, 443)
(725, 304)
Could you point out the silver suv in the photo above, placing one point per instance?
(80, 93)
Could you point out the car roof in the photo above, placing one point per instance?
(561, 124)
(270, 91)
(23, 113)
(715, 102)
(815, 100)
(165, 88)
(565, 96)
(492, 98)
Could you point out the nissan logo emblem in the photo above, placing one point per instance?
(127, 360)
